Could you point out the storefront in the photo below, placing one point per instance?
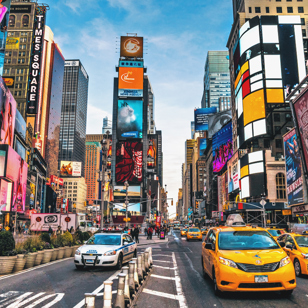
(300, 213)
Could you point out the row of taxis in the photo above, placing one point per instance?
(248, 258)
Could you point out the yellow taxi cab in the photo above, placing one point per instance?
(204, 231)
(296, 246)
(183, 231)
(275, 232)
(241, 258)
(194, 233)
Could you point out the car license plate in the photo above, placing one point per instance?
(90, 261)
(260, 279)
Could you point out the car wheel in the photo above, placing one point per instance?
(120, 261)
(135, 254)
(287, 293)
(216, 289)
(297, 268)
(79, 267)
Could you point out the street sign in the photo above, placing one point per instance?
(262, 202)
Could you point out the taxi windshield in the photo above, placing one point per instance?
(246, 240)
(184, 229)
(275, 232)
(302, 241)
(194, 230)
(100, 239)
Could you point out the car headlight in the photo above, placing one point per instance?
(284, 261)
(305, 255)
(77, 252)
(227, 262)
(110, 253)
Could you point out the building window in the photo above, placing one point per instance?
(279, 9)
(22, 54)
(300, 9)
(290, 9)
(278, 143)
(277, 130)
(304, 32)
(23, 46)
(25, 21)
(7, 61)
(276, 117)
(20, 71)
(12, 21)
(19, 78)
(21, 60)
(18, 85)
(23, 40)
(250, 11)
(267, 9)
(6, 71)
(8, 53)
(280, 186)
(303, 21)
(257, 9)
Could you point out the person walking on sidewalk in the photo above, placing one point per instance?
(137, 235)
(146, 232)
(133, 232)
(150, 232)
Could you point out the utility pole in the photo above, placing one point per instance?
(126, 202)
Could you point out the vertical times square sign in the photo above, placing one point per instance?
(36, 60)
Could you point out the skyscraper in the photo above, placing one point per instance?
(216, 78)
(107, 125)
(151, 120)
(74, 113)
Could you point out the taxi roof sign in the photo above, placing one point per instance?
(235, 220)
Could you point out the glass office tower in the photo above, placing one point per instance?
(74, 113)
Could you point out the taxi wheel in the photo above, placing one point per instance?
(120, 261)
(297, 268)
(216, 290)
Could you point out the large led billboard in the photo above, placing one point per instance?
(4, 20)
(132, 191)
(201, 118)
(70, 168)
(233, 173)
(293, 168)
(130, 81)
(268, 63)
(131, 47)
(222, 147)
(202, 144)
(130, 119)
(129, 162)
(217, 121)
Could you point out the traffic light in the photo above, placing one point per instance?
(197, 204)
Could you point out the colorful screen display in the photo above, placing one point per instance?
(293, 169)
(130, 81)
(129, 162)
(130, 119)
(131, 47)
(70, 168)
(202, 142)
(217, 121)
(120, 191)
(222, 147)
(233, 173)
(4, 21)
(201, 118)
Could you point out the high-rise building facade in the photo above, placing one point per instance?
(75, 189)
(107, 125)
(216, 78)
(151, 101)
(74, 113)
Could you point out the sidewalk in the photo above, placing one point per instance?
(155, 240)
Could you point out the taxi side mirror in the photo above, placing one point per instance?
(282, 244)
(289, 246)
(210, 246)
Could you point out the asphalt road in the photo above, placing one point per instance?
(162, 290)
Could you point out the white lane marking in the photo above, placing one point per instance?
(161, 294)
(161, 256)
(19, 303)
(162, 277)
(34, 268)
(40, 301)
(178, 285)
(97, 290)
(17, 300)
(162, 261)
(164, 267)
(57, 299)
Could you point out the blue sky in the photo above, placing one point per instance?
(178, 36)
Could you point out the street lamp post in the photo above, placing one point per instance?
(49, 207)
(126, 202)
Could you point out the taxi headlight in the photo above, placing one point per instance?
(305, 255)
(284, 261)
(110, 253)
(227, 262)
(77, 252)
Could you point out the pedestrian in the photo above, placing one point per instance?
(132, 232)
(19, 229)
(1, 228)
(137, 235)
(59, 230)
(77, 229)
(146, 232)
(50, 231)
(72, 230)
(150, 232)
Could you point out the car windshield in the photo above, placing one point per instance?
(90, 224)
(302, 241)
(275, 232)
(184, 229)
(100, 239)
(246, 240)
(194, 230)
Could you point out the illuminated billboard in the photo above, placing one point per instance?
(36, 60)
(293, 168)
(12, 43)
(201, 118)
(233, 173)
(130, 81)
(131, 47)
(132, 207)
(120, 191)
(70, 168)
(9, 81)
(202, 143)
(129, 162)
(130, 119)
(268, 64)
(217, 121)
(4, 21)
(222, 147)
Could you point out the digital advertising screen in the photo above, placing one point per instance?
(222, 147)
(132, 207)
(233, 173)
(293, 168)
(130, 81)
(120, 191)
(202, 142)
(130, 119)
(6, 194)
(131, 47)
(217, 121)
(20, 124)
(201, 118)
(70, 168)
(4, 21)
(129, 162)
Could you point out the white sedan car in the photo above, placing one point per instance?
(106, 249)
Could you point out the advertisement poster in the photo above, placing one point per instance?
(20, 124)
(120, 191)
(220, 193)
(16, 171)
(7, 115)
(4, 21)
(5, 194)
(301, 113)
(233, 173)
(293, 168)
(217, 121)
(202, 145)
(202, 118)
(129, 162)
(131, 47)
(132, 207)
(151, 156)
(12, 43)
(9, 81)
(130, 81)
(222, 147)
(32, 195)
(158, 221)
(70, 168)
(130, 119)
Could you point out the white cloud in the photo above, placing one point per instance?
(95, 119)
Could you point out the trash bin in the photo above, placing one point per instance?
(162, 235)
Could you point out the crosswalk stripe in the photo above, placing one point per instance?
(57, 299)
(19, 304)
(17, 300)
(39, 301)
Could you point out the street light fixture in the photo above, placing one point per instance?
(49, 206)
